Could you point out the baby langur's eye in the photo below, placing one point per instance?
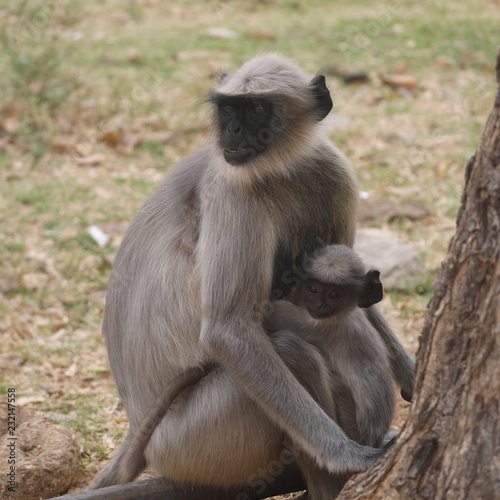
(334, 295)
(312, 289)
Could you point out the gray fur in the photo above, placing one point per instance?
(190, 280)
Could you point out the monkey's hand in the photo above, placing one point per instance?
(356, 458)
(406, 376)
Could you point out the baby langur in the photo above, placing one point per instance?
(327, 317)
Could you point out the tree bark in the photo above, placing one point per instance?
(450, 445)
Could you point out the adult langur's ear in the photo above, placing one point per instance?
(373, 290)
(322, 98)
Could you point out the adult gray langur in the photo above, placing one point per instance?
(197, 267)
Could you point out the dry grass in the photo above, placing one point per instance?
(87, 139)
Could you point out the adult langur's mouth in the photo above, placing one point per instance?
(238, 156)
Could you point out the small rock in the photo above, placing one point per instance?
(46, 456)
(408, 82)
(399, 265)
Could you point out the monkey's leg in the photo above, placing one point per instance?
(346, 408)
(321, 485)
(309, 367)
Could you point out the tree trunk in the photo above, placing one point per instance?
(450, 445)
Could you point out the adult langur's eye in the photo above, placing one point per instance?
(334, 295)
(227, 109)
(258, 110)
(312, 289)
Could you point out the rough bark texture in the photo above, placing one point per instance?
(450, 446)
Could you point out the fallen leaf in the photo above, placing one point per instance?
(91, 161)
(64, 144)
(23, 331)
(25, 401)
(347, 75)
(112, 137)
(9, 125)
(444, 62)
(71, 371)
(407, 82)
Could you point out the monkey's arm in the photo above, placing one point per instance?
(232, 334)
(362, 361)
(402, 363)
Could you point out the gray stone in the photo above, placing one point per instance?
(399, 265)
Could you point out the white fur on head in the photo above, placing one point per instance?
(264, 74)
(335, 264)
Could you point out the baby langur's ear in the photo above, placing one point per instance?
(373, 290)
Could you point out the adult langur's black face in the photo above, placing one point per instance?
(244, 125)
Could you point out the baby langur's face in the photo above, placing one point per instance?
(323, 300)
